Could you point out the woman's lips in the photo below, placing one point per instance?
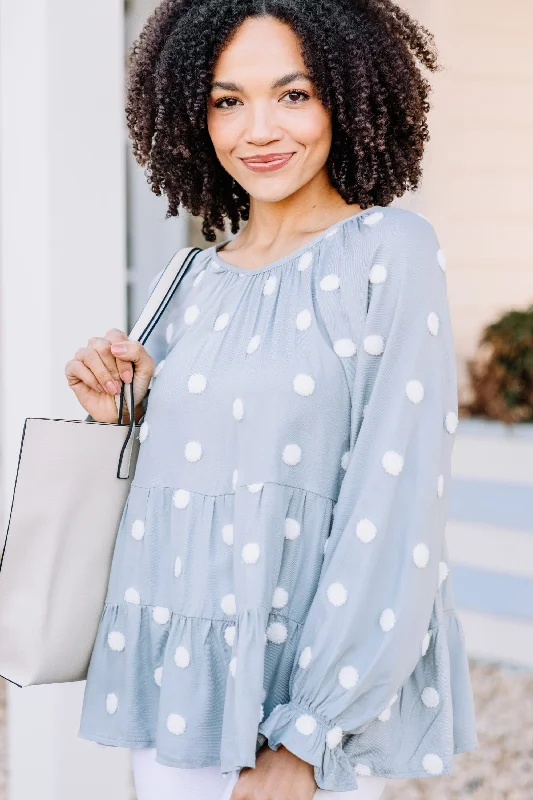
(267, 163)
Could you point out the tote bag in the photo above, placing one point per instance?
(72, 482)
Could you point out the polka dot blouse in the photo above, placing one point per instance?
(281, 570)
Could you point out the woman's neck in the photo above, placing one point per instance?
(274, 229)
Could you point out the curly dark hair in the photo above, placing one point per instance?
(363, 58)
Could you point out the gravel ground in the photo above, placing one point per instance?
(502, 768)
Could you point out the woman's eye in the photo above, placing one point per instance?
(226, 102)
(296, 96)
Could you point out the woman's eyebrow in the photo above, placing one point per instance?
(229, 86)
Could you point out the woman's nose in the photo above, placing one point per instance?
(262, 126)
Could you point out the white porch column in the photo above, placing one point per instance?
(63, 279)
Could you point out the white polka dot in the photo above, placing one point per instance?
(329, 234)
(137, 529)
(292, 454)
(116, 641)
(197, 383)
(198, 278)
(430, 697)
(433, 323)
(378, 274)
(161, 615)
(440, 485)
(392, 462)
(433, 764)
(280, 598)
(305, 724)
(421, 555)
(303, 385)
(393, 699)
(270, 285)
(443, 571)
(303, 320)
(111, 703)
(385, 715)
(292, 528)
(235, 479)
(372, 219)
(414, 391)
(181, 498)
(348, 677)
(227, 604)
(326, 544)
(191, 314)
(158, 368)
(238, 409)
(305, 658)
(215, 266)
(177, 567)
(425, 643)
(131, 595)
(365, 530)
(227, 533)
(374, 345)
(158, 675)
(261, 712)
(254, 488)
(418, 214)
(221, 322)
(250, 553)
(169, 332)
(276, 632)
(193, 451)
(345, 459)
(182, 657)
(330, 282)
(233, 666)
(143, 431)
(387, 620)
(334, 737)
(253, 344)
(363, 770)
(229, 635)
(451, 422)
(176, 724)
(305, 261)
(345, 348)
(441, 260)
(337, 594)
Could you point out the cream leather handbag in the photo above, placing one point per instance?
(72, 483)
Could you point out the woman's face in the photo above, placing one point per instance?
(268, 127)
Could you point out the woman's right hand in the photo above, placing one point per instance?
(96, 371)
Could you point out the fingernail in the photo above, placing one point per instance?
(126, 377)
(118, 348)
(111, 387)
(118, 385)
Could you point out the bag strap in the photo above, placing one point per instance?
(154, 309)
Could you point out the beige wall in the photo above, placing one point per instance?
(478, 181)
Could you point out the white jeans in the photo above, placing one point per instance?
(155, 781)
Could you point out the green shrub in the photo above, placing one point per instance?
(501, 373)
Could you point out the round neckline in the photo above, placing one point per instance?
(220, 264)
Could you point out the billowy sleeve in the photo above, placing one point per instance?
(368, 622)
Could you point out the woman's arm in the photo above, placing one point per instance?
(368, 623)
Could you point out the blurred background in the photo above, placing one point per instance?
(81, 236)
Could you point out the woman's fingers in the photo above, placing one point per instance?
(77, 372)
(134, 353)
(91, 358)
(124, 367)
(102, 345)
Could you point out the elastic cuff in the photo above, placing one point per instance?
(301, 732)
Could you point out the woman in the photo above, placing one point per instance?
(279, 609)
